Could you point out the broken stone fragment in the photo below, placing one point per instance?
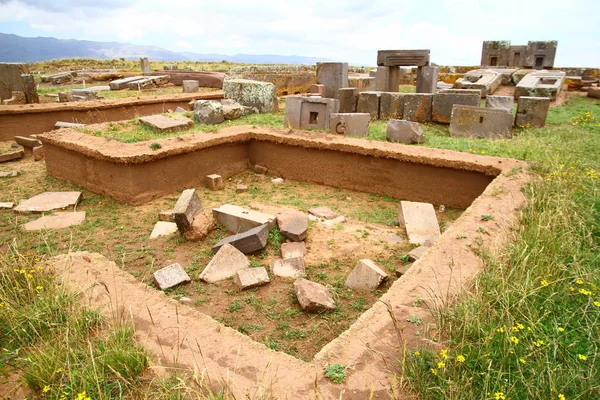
(62, 124)
(293, 250)
(249, 278)
(171, 276)
(38, 153)
(166, 216)
(201, 226)
(9, 174)
(250, 241)
(12, 155)
(208, 112)
(293, 225)
(420, 222)
(313, 297)
(27, 141)
(417, 253)
(241, 188)
(277, 181)
(366, 275)
(162, 228)
(333, 223)
(59, 220)
(49, 201)
(162, 123)
(323, 212)
(288, 268)
(225, 264)
(402, 270)
(214, 182)
(238, 219)
(259, 169)
(406, 132)
(186, 207)
(8, 204)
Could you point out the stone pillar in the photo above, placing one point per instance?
(30, 89)
(145, 66)
(427, 78)
(334, 75)
(387, 79)
(10, 79)
(348, 99)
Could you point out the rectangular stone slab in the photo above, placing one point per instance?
(250, 241)
(226, 263)
(171, 276)
(163, 123)
(163, 228)
(61, 124)
(49, 201)
(185, 209)
(402, 58)
(420, 221)
(249, 278)
(443, 103)
(27, 141)
(238, 219)
(11, 155)
(489, 123)
(59, 220)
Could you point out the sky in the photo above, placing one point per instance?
(342, 30)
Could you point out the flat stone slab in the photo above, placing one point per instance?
(313, 297)
(288, 268)
(532, 111)
(323, 212)
(11, 155)
(8, 204)
(62, 124)
(27, 141)
(163, 123)
(488, 123)
(420, 221)
(500, 102)
(293, 225)
(49, 201)
(59, 220)
(401, 131)
(225, 264)
(185, 209)
(249, 278)
(9, 174)
(417, 253)
(293, 250)
(349, 124)
(162, 228)
(166, 216)
(252, 240)
(366, 275)
(171, 276)
(238, 219)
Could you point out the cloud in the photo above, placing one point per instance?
(67, 5)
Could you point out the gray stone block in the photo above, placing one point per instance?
(334, 75)
(249, 278)
(61, 124)
(417, 107)
(170, 276)
(387, 79)
(391, 105)
(541, 84)
(427, 78)
(49, 201)
(401, 131)
(27, 141)
(366, 275)
(162, 123)
(420, 222)
(532, 111)
(309, 112)
(402, 58)
(293, 267)
(225, 264)
(190, 86)
(208, 112)
(348, 99)
(255, 94)
(250, 241)
(185, 209)
(489, 123)
(214, 182)
(352, 124)
(441, 110)
(293, 225)
(145, 66)
(313, 297)
(486, 80)
(417, 253)
(368, 102)
(500, 102)
(323, 212)
(238, 219)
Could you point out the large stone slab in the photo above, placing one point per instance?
(255, 94)
(225, 264)
(402, 58)
(27, 141)
(185, 209)
(62, 124)
(500, 102)
(292, 267)
(348, 99)
(313, 297)
(163, 228)
(293, 225)
(12, 155)
(171, 276)
(334, 75)
(489, 123)
(208, 112)
(249, 278)
(238, 219)
(532, 111)
(351, 124)
(427, 78)
(163, 123)
(420, 222)
(541, 84)
(366, 275)
(323, 212)
(293, 250)
(49, 201)
(201, 226)
(59, 220)
(250, 241)
(309, 112)
(417, 107)
(594, 92)
(368, 102)
(387, 79)
(486, 80)
(443, 103)
(391, 105)
(407, 132)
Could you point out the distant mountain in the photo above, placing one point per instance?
(15, 48)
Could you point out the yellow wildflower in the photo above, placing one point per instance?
(460, 358)
(561, 329)
(500, 330)
(444, 354)
(417, 353)
(59, 370)
(597, 303)
(538, 343)
(522, 360)
(544, 282)
(514, 339)
(561, 397)
(46, 389)
(499, 396)
(582, 357)
(39, 288)
(434, 371)
(585, 292)
(1, 304)
(579, 281)
(441, 364)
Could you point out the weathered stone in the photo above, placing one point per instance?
(226, 263)
(61, 124)
(11, 155)
(190, 86)
(387, 79)
(417, 253)
(145, 65)
(64, 97)
(232, 111)
(309, 112)
(185, 209)
(241, 188)
(10, 79)
(403, 269)
(334, 76)
(486, 80)
(249, 278)
(7, 204)
(489, 123)
(443, 103)
(30, 89)
(214, 182)
(391, 105)
(277, 181)
(499, 102)
(313, 297)
(366, 275)
(162, 228)
(256, 94)
(201, 226)
(532, 111)
(402, 58)
(49, 201)
(259, 169)
(238, 219)
(368, 102)
(540, 54)
(38, 153)
(520, 74)
(288, 268)
(351, 124)
(293, 250)
(171, 276)
(495, 52)
(180, 110)
(594, 92)
(208, 112)
(323, 212)
(427, 78)
(420, 222)
(348, 99)
(401, 131)
(249, 241)
(163, 123)
(166, 216)
(541, 84)
(334, 223)
(59, 220)
(293, 225)
(362, 84)
(417, 107)
(317, 89)
(18, 97)
(9, 174)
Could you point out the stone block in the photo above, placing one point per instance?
(441, 110)
(313, 297)
(214, 182)
(293, 267)
(7, 205)
(293, 250)
(171, 276)
(518, 75)
(309, 112)
(190, 86)
(532, 111)
(402, 58)
(427, 78)
(162, 123)
(334, 76)
(238, 219)
(241, 188)
(417, 107)
(166, 216)
(541, 84)
(9, 174)
(38, 153)
(485, 80)
(10, 79)
(162, 228)
(351, 124)
(255, 94)
(387, 79)
(417, 253)
(594, 92)
(391, 105)
(208, 112)
(317, 89)
(145, 65)
(49, 201)
(403, 269)
(64, 97)
(366, 275)
(323, 212)
(407, 132)
(368, 102)
(59, 220)
(12, 155)
(225, 264)
(250, 241)
(489, 123)
(277, 181)
(62, 124)
(259, 169)
(420, 222)
(249, 278)
(500, 102)
(30, 89)
(18, 97)
(348, 99)
(201, 226)
(293, 225)
(185, 209)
